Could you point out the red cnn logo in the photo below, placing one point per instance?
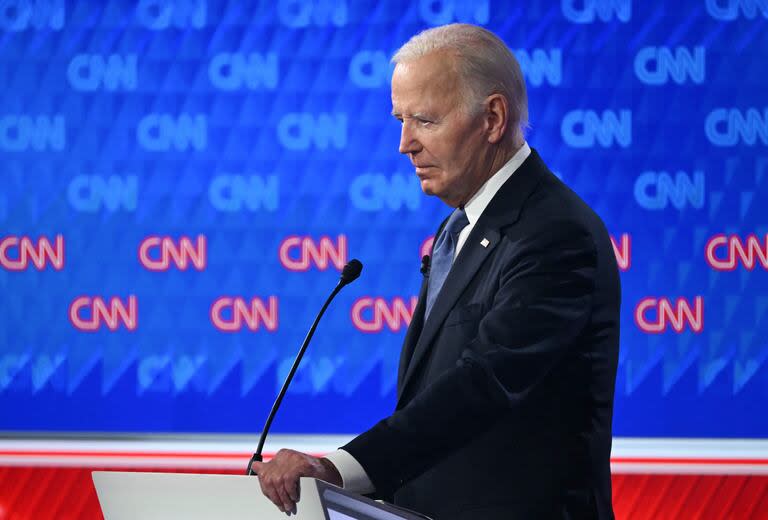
(677, 315)
(230, 314)
(736, 251)
(299, 253)
(370, 314)
(112, 314)
(426, 246)
(623, 251)
(26, 250)
(156, 253)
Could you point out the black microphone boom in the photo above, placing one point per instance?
(349, 274)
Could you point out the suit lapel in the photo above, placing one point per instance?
(503, 210)
(412, 336)
(470, 259)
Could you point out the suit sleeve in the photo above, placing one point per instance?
(541, 307)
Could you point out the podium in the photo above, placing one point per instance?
(188, 496)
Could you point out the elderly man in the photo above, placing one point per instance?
(507, 373)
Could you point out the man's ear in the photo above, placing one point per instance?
(496, 117)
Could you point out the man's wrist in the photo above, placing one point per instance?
(330, 470)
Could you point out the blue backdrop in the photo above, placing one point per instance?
(180, 182)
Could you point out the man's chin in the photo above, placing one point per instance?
(430, 189)
(427, 187)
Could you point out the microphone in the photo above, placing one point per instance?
(351, 271)
(426, 262)
(349, 274)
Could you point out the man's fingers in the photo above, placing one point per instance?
(293, 490)
(279, 478)
(277, 494)
(268, 489)
(276, 489)
(282, 487)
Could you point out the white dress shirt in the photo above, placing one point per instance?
(352, 473)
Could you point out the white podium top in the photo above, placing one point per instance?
(189, 496)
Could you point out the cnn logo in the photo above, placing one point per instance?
(725, 253)
(159, 253)
(19, 253)
(233, 314)
(373, 314)
(656, 315)
(300, 253)
(90, 313)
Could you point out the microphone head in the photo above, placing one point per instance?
(425, 263)
(351, 271)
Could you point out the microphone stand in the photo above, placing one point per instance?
(349, 274)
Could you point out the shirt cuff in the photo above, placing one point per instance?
(353, 476)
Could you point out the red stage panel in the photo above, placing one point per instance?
(67, 493)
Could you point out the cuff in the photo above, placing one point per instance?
(353, 475)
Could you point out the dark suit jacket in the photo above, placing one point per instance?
(505, 394)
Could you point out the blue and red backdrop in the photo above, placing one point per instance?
(181, 182)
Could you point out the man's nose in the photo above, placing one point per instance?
(408, 142)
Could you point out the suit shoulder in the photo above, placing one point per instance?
(553, 205)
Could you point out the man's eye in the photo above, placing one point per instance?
(424, 122)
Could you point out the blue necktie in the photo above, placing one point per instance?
(442, 255)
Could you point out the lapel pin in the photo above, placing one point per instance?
(484, 242)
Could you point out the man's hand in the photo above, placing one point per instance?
(279, 478)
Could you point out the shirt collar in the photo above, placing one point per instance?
(480, 200)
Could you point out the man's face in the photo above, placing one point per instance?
(446, 144)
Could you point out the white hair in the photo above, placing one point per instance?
(484, 63)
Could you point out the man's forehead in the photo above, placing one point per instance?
(426, 80)
(435, 65)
